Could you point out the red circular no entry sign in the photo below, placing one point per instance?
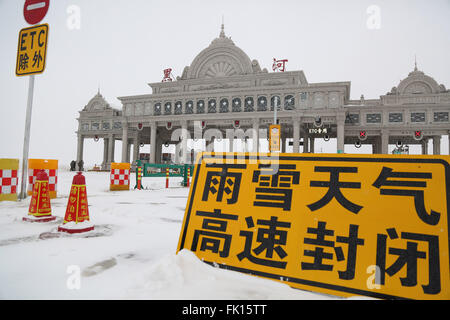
(35, 10)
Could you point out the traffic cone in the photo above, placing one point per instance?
(76, 219)
(40, 209)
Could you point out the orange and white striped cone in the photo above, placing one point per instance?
(76, 219)
(40, 208)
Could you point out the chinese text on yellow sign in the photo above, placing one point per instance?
(31, 50)
(366, 225)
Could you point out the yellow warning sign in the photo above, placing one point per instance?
(32, 50)
(374, 225)
(274, 137)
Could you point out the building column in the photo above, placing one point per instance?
(311, 144)
(424, 143)
(305, 143)
(283, 141)
(384, 142)
(340, 119)
(244, 145)
(449, 142)
(127, 159)
(125, 147)
(375, 146)
(110, 150)
(177, 158)
(80, 147)
(135, 149)
(153, 142)
(184, 138)
(158, 150)
(209, 145)
(436, 145)
(105, 153)
(296, 134)
(255, 136)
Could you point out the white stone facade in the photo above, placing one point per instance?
(223, 85)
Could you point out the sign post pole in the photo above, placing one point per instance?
(275, 107)
(26, 140)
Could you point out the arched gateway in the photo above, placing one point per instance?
(224, 89)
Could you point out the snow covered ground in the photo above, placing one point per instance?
(129, 255)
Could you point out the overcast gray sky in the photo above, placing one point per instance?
(122, 45)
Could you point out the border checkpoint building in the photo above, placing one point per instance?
(224, 89)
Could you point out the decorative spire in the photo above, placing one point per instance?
(222, 31)
(415, 63)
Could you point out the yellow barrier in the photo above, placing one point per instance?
(51, 168)
(8, 179)
(120, 176)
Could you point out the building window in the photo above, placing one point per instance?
(417, 116)
(373, 118)
(147, 108)
(352, 118)
(319, 100)
(223, 105)
(95, 126)
(236, 105)
(168, 108)
(157, 110)
(85, 126)
(105, 126)
(200, 106)
(396, 117)
(248, 104)
(289, 102)
(178, 107)
(440, 117)
(139, 109)
(272, 102)
(129, 110)
(189, 107)
(212, 106)
(117, 125)
(262, 103)
(334, 99)
(303, 96)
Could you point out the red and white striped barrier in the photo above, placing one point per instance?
(120, 176)
(8, 179)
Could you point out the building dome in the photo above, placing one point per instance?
(222, 58)
(417, 82)
(97, 103)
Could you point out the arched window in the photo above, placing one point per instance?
(168, 108)
(212, 106)
(262, 103)
(272, 102)
(236, 105)
(200, 106)
(289, 102)
(223, 105)
(157, 109)
(189, 108)
(249, 104)
(178, 107)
